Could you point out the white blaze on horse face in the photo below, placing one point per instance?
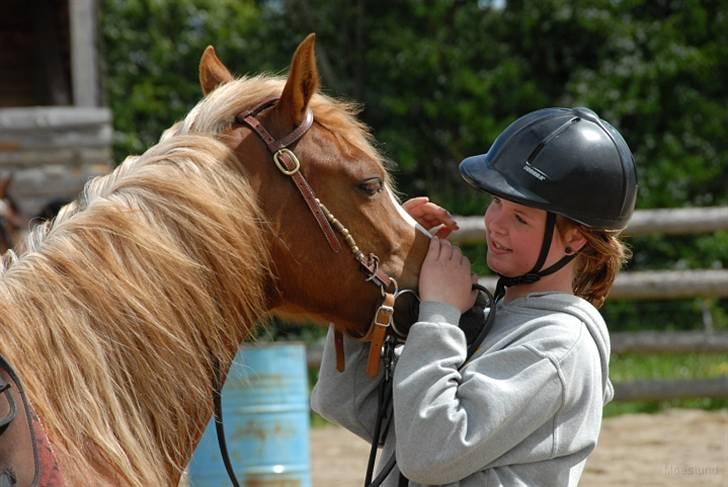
(406, 216)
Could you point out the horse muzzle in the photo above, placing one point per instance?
(407, 309)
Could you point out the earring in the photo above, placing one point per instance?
(568, 250)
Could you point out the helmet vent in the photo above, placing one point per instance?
(536, 150)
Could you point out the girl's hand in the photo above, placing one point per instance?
(430, 215)
(445, 276)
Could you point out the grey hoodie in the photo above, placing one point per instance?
(524, 411)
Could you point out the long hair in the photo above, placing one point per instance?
(118, 310)
(598, 262)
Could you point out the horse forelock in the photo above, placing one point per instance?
(117, 310)
(216, 112)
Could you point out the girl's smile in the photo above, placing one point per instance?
(514, 233)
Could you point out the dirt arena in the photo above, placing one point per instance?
(675, 448)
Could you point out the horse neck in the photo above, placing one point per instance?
(118, 363)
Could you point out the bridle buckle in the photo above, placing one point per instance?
(383, 315)
(282, 165)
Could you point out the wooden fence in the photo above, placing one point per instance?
(643, 285)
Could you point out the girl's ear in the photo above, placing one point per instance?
(574, 239)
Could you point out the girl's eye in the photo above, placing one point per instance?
(371, 186)
(521, 220)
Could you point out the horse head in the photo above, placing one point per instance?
(312, 278)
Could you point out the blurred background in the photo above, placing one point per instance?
(86, 82)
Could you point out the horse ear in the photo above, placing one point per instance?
(213, 72)
(303, 81)
(5, 185)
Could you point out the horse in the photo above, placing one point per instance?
(10, 220)
(49, 210)
(121, 310)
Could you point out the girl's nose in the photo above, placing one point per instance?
(493, 220)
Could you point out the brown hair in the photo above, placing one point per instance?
(598, 262)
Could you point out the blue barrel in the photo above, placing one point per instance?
(266, 413)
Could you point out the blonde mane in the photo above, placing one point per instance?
(115, 314)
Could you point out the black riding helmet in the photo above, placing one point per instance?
(566, 161)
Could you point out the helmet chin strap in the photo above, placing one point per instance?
(536, 272)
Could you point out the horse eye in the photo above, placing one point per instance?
(371, 186)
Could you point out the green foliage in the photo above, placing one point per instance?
(151, 56)
(439, 80)
(630, 367)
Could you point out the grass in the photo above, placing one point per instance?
(631, 366)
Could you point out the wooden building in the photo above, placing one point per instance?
(55, 132)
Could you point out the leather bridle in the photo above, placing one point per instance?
(289, 165)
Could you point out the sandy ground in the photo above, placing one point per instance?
(675, 448)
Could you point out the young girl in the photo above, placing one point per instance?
(526, 408)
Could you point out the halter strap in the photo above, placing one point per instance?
(288, 163)
(274, 145)
(536, 272)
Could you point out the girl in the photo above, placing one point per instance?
(526, 408)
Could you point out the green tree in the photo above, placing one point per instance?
(439, 80)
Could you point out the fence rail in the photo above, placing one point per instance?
(659, 390)
(669, 342)
(660, 284)
(669, 221)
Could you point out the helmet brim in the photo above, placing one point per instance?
(478, 171)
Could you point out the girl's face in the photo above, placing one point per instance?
(514, 234)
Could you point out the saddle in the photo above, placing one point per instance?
(26, 458)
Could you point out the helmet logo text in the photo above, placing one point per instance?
(534, 172)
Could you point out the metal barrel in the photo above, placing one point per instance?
(266, 414)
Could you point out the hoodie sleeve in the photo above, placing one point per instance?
(450, 423)
(348, 398)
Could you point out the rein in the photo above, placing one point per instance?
(25, 453)
(385, 411)
(289, 165)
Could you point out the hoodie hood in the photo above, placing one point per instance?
(590, 316)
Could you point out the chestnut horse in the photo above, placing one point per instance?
(118, 311)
